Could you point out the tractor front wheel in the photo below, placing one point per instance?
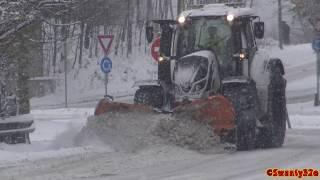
(150, 96)
(246, 130)
(244, 99)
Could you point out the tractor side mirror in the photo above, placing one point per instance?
(259, 30)
(149, 33)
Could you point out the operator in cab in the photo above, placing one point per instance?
(215, 43)
(222, 47)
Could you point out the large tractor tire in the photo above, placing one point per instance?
(244, 99)
(150, 96)
(273, 135)
(246, 130)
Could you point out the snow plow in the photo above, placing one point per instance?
(216, 111)
(210, 69)
(14, 128)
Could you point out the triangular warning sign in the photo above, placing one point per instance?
(106, 42)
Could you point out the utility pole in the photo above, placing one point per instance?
(315, 22)
(251, 3)
(64, 32)
(180, 6)
(316, 97)
(65, 75)
(280, 24)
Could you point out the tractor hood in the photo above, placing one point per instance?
(191, 74)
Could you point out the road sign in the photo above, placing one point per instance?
(316, 44)
(155, 49)
(106, 42)
(106, 65)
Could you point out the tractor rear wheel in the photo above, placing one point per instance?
(273, 135)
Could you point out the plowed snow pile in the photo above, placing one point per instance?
(134, 131)
(187, 133)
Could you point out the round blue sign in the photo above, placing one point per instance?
(106, 65)
(316, 44)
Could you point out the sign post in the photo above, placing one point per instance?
(106, 62)
(316, 48)
(315, 22)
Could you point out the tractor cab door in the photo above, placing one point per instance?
(164, 66)
(249, 45)
(244, 46)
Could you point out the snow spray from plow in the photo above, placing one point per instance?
(125, 127)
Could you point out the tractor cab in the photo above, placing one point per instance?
(227, 30)
(205, 46)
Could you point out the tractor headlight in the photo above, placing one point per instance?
(230, 17)
(160, 59)
(182, 19)
(242, 56)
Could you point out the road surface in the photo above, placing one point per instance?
(300, 151)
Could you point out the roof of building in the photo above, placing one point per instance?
(218, 10)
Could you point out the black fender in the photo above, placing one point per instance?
(150, 95)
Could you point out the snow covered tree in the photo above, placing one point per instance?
(307, 12)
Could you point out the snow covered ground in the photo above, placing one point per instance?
(86, 86)
(300, 65)
(54, 155)
(55, 130)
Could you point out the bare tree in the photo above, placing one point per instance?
(280, 24)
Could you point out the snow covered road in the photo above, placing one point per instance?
(170, 163)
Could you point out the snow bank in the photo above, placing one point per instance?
(294, 55)
(53, 137)
(87, 84)
(304, 116)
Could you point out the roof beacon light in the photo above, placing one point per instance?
(182, 19)
(230, 17)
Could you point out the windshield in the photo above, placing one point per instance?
(204, 34)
